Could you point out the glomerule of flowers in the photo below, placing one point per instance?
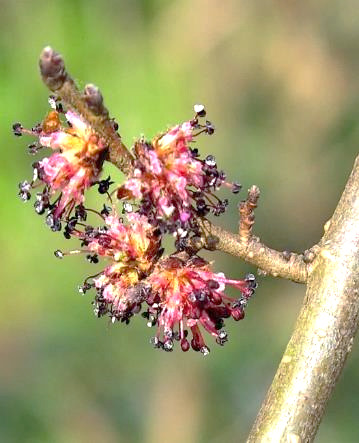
(131, 249)
(168, 191)
(74, 166)
(186, 294)
(174, 186)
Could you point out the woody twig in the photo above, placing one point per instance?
(246, 214)
(88, 104)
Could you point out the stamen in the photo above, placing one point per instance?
(199, 110)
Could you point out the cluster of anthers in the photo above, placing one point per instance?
(168, 190)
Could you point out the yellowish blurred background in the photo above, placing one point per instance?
(280, 80)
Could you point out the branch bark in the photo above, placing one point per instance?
(271, 262)
(323, 335)
(89, 105)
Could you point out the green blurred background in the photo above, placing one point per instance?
(280, 82)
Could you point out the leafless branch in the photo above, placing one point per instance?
(89, 105)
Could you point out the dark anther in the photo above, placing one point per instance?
(37, 129)
(89, 230)
(80, 213)
(194, 152)
(39, 207)
(210, 160)
(53, 223)
(42, 202)
(222, 337)
(92, 258)
(17, 129)
(105, 210)
(200, 296)
(38, 171)
(24, 192)
(55, 104)
(222, 176)
(71, 224)
(168, 345)
(236, 187)
(58, 254)
(155, 342)
(33, 148)
(251, 280)
(84, 288)
(202, 208)
(205, 350)
(209, 128)
(199, 110)
(104, 185)
(181, 244)
(219, 324)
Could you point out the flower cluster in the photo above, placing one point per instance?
(181, 292)
(132, 250)
(169, 189)
(186, 294)
(173, 185)
(74, 166)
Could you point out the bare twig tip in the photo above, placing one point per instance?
(246, 212)
(52, 68)
(253, 194)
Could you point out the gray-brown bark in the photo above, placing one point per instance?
(323, 335)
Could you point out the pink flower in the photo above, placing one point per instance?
(173, 185)
(165, 168)
(132, 245)
(119, 294)
(74, 166)
(187, 296)
(132, 250)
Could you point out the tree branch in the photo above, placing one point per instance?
(250, 249)
(323, 335)
(89, 105)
